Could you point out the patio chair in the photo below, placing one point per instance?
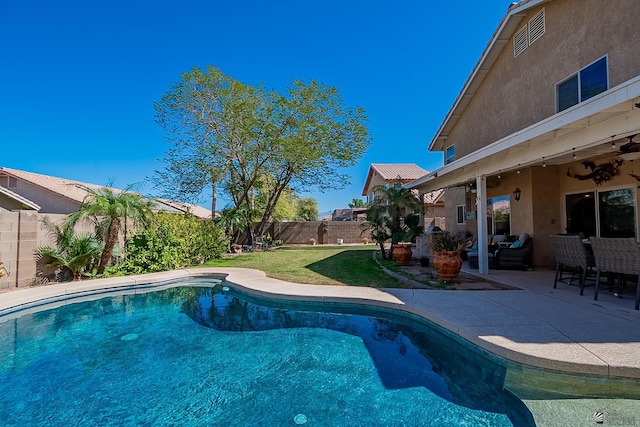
(571, 252)
(616, 256)
(517, 256)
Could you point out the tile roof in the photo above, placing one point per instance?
(68, 188)
(433, 196)
(63, 187)
(196, 210)
(391, 171)
(406, 171)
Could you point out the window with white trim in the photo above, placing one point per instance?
(586, 83)
(450, 154)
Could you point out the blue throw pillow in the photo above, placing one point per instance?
(516, 244)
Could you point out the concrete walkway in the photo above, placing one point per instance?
(535, 325)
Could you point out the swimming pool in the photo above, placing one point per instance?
(193, 355)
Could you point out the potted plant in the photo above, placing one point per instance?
(446, 248)
(394, 214)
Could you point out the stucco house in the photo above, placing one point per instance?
(63, 196)
(389, 174)
(544, 127)
(26, 199)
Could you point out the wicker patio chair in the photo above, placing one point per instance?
(519, 257)
(571, 252)
(616, 256)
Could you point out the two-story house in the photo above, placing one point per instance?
(542, 137)
(390, 174)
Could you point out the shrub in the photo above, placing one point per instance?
(172, 241)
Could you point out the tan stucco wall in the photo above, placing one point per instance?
(541, 209)
(455, 198)
(519, 92)
(48, 201)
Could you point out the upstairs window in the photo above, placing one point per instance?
(587, 83)
(450, 154)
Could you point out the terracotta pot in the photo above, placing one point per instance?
(447, 264)
(401, 254)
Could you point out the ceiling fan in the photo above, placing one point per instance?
(631, 150)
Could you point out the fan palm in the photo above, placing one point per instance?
(76, 253)
(110, 209)
(396, 207)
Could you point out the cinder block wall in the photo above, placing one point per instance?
(21, 233)
(18, 242)
(325, 232)
(9, 246)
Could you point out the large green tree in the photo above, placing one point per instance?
(227, 136)
(307, 209)
(357, 203)
(110, 211)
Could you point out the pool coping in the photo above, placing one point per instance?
(490, 320)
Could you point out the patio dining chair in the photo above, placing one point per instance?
(616, 256)
(570, 252)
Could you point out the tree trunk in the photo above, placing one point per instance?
(214, 199)
(109, 244)
(382, 252)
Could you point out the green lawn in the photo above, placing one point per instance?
(317, 265)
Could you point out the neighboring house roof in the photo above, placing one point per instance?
(63, 187)
(350, 214)
(196, 210)
(69, 189)
(509, 24)
(433, 197)
(18, 198)
(403, 172)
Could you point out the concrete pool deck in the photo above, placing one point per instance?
(536, 325)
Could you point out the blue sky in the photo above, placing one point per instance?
(78, 79)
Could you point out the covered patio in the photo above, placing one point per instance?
(571, 173)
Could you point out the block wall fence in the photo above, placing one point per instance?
(22, 232)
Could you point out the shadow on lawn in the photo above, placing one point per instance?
(353, 268)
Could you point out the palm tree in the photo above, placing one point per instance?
(397, 207)
(232, 220)
(111, 209)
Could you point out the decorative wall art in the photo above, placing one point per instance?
(600, 173)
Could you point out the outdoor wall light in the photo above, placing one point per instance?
(544, 164)
(574, 154)
(518, 171)
(613, 143)
(517, 193)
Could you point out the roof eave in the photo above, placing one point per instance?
(500, 38)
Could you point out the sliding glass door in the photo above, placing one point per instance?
(603, 213)
(617, 213)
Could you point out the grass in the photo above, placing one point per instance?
(316, 265)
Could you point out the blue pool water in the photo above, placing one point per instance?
(204, 356)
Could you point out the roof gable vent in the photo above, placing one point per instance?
(520, 41)
(536, 26)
